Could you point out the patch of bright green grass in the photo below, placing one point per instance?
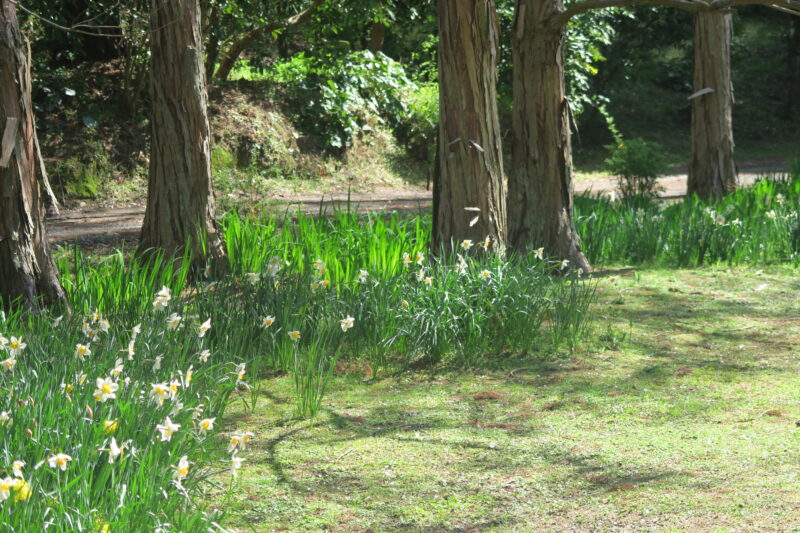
(756, 225)
(680, 417)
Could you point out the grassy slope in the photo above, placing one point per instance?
(680, 417)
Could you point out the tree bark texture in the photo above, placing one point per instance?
(27, 271)
(469, 200)
(180, 200)
(540, 202)
(712, 169)
(377, 35)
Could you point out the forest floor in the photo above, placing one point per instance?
(680, 413)
(103, 225)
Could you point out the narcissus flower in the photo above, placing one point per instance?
(106, 389)
(466, 244)
(239, 441)
(167, 429)
(6, 484)
(16, 468)
(115, 451)
(159, 392)
(253, 277)
(419, 258)
(347, 322)
(240, 371)
(173, 321)
(162, 297)
(182, 470)
(82, 350)
(363, 275)
(22, 491)
(204, 355)
(539, 253)
(204, 327)
(406, 259)
(207, 424)
(59, 460)
(267, 321)
(15, 346)
(9, 363)
(294, 335)
(110, 426)
(485, 274)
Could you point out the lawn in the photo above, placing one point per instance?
(679, 415)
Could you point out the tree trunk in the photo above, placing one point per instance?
(180, 200)
(376, 37)
(540, 182)
(27, 271)
(712, 170)
(470, 191)
(233, 52)
(793, 69)
(210, 23)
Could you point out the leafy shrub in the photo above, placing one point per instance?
(417, 131)
(338, 96)
(637, 164)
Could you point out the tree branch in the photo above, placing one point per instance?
(788, 6)
(248, 39)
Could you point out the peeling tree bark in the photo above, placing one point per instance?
(27, 271)
(180, 200)
(540, 204)
(712, 169)
(470, 163)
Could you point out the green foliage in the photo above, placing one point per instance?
(637, 164)
(754, 226)
(336, 97)
(418, 127)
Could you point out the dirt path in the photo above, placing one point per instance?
(104, 226)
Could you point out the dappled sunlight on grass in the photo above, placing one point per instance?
(676, 414)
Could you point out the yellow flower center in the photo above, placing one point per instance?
(106, 388)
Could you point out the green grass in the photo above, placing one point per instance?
(679, 416)
(482, 393)
(142, 320)
(756, 225)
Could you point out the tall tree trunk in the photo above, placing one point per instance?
(377, 35)
(793, 69)
(540, 204)
(26, 269)
(470, 163)
(712, 170)
(210, 23)
(180, 200)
